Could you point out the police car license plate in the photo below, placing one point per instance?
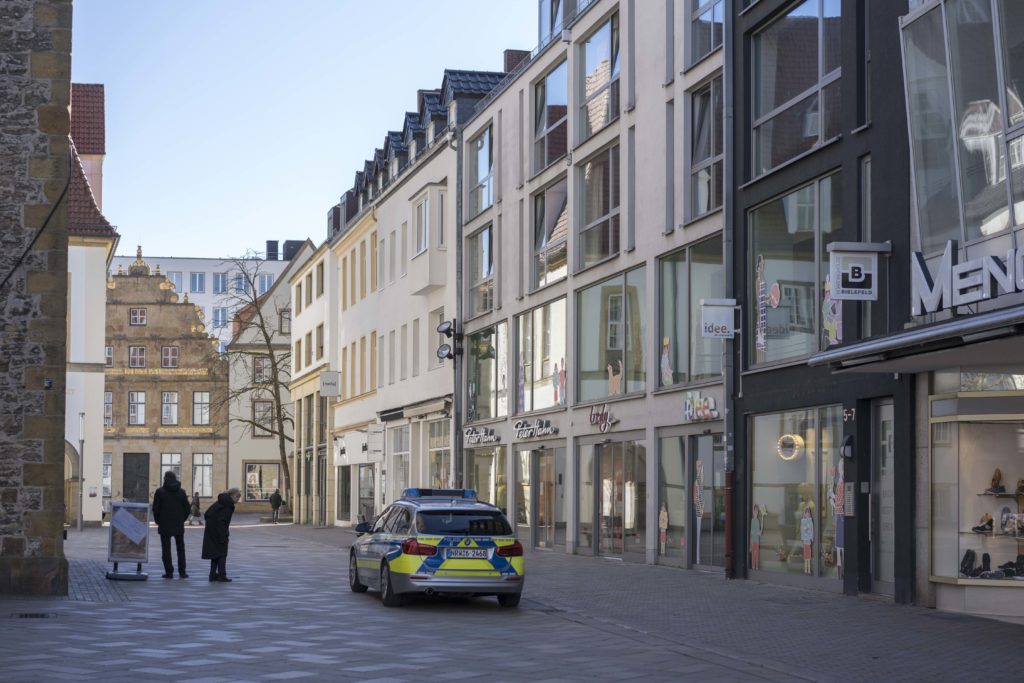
(467, 553)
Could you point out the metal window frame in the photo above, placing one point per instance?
(697, 10)
(613, 212)
(615, 47)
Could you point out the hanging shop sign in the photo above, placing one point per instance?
(479, 435)
(524, 429)
(853, 270)
(602, 418)
(697, 408)
(330, 384)
(718, 318)
(958, 284)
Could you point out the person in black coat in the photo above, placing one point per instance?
(215, 537)
(170, 510)
(275, 505)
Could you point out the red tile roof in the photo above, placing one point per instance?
(84, 217)
(88, 123)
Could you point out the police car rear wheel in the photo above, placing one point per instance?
(353, 575)
(510, 600)
(387, 592)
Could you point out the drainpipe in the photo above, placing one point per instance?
(729, 369)
(457, 449)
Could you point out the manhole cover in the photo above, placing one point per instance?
(33, 615)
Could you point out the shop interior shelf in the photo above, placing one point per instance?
(1008, 494)
(1000, 534)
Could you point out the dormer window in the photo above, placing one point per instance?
(412, 151)
(394, 167)
(430, 132)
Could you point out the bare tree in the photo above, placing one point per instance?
(260, 353)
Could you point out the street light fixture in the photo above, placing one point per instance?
(446, 351)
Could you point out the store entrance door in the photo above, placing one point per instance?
(540, 496)
(708, 499)
(136, 477)
(881, 507)
(610, 466)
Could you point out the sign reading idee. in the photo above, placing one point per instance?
(958, 284)
(717, 318)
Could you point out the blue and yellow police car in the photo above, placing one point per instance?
(438, 542)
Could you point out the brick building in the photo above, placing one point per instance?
(164, 384)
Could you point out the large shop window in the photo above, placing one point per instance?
(261, 480)
(706, 153)
(686, 277)
(550, 117)
(439, 454)
(481, 192)
(601, 66)
(796, 102)
(610, 333)
(613, 514)
(599, 231)
(487, 473)
(966, 143)
(550, 234)
(798, 494)
(540, 345)
(400, 450)
(480, 250)
(487, 374)
(691, 500)
(794, 314)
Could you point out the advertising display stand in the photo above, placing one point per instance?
(129, 539)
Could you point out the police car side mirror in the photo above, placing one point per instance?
(362, 528)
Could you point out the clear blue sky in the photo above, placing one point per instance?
(231, 122)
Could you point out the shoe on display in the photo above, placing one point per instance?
(985, 526)
(1020, 487)
(1004, 520)
(967, 564)
(997, 477)
(986, 562)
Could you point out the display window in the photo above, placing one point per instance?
(261, 480)
(610, 333)
(486, 373)
(613, 514)
(540, 347)
(487, 473)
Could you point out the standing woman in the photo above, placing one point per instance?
(215, 536)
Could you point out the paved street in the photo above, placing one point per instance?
(289, 615)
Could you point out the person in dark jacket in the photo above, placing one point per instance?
(197, 512)
(170, 510)
(275, 505)
(215, 536)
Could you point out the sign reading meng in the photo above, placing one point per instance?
(958, 284)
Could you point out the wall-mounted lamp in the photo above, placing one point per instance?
(846, 449)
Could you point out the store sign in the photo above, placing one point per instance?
(853, 275)
(602, 418)
(375, 442)
(958, 284)
(699, 408)
(330, 384)
(718, 318)
(475, 435)
(524, 429)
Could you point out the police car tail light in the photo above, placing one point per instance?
(411, 546)
(514, 550)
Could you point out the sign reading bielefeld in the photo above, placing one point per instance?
(330, 384)
(853, 270)
(718, 318)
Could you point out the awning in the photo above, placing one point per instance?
(985, 339)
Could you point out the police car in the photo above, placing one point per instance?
(438, 542)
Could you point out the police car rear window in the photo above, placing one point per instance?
(463, 523)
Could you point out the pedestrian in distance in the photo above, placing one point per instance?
(170, 510)
(197, 513)
(275, 505)
(215, 536)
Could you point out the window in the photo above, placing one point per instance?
(362, 270)
(262, 370)
(439, 454)
(298, 354)
(309, 289)
(550, 118)
(284, 322)
(706, 123)
(262, 418)
(440, 220)
(550, 234)
(168, 356)
(319, 341)
(404, 256)
(600, 78)
(343, 381)
(422, 223)
(136, 407)
(261, 480)
(202, 474)
(599, 230)
(200, 407)
(308, 360)
(610, 335)
(391, 357)
(550, 20)
(436, 318)
(404, 353)
(169, 407)
(136, 356)
(175, 279)
(380, 361)
(170, 462)
(391, 257)
(220, 283)
(362, 365)
(796, 98)
(794, 313)
(108, 356)
(686, 277)
(320, 279)
(108, 409)
(197, 282)
(540, 346)
(264, 282)
(481, 272)
(136, 316)
(108, 471)
(706, 28)
(416, 347)
(481, 193)
(220, 316)
(376, 262)
(486, 379)
(243, 285)
(298, 297)
(399, 438)
(344, 283)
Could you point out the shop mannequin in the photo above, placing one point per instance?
(756, 527)
(807, 537)
(698, 504)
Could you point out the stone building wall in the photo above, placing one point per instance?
(35, 92)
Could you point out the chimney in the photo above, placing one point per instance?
(514, 58)
(271, 250)
(291, 247)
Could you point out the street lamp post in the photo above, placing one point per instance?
(81, 466)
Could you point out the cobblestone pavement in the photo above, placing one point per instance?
(289, 615)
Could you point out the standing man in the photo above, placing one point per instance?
(215, 537)
(275, 505)
(170, 510)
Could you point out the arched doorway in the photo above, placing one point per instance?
(71, 497)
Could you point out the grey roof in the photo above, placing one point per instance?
(432, 107)
(458, 83)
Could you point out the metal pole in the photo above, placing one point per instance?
(81, 466)
(457, 449)
(729, 376)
